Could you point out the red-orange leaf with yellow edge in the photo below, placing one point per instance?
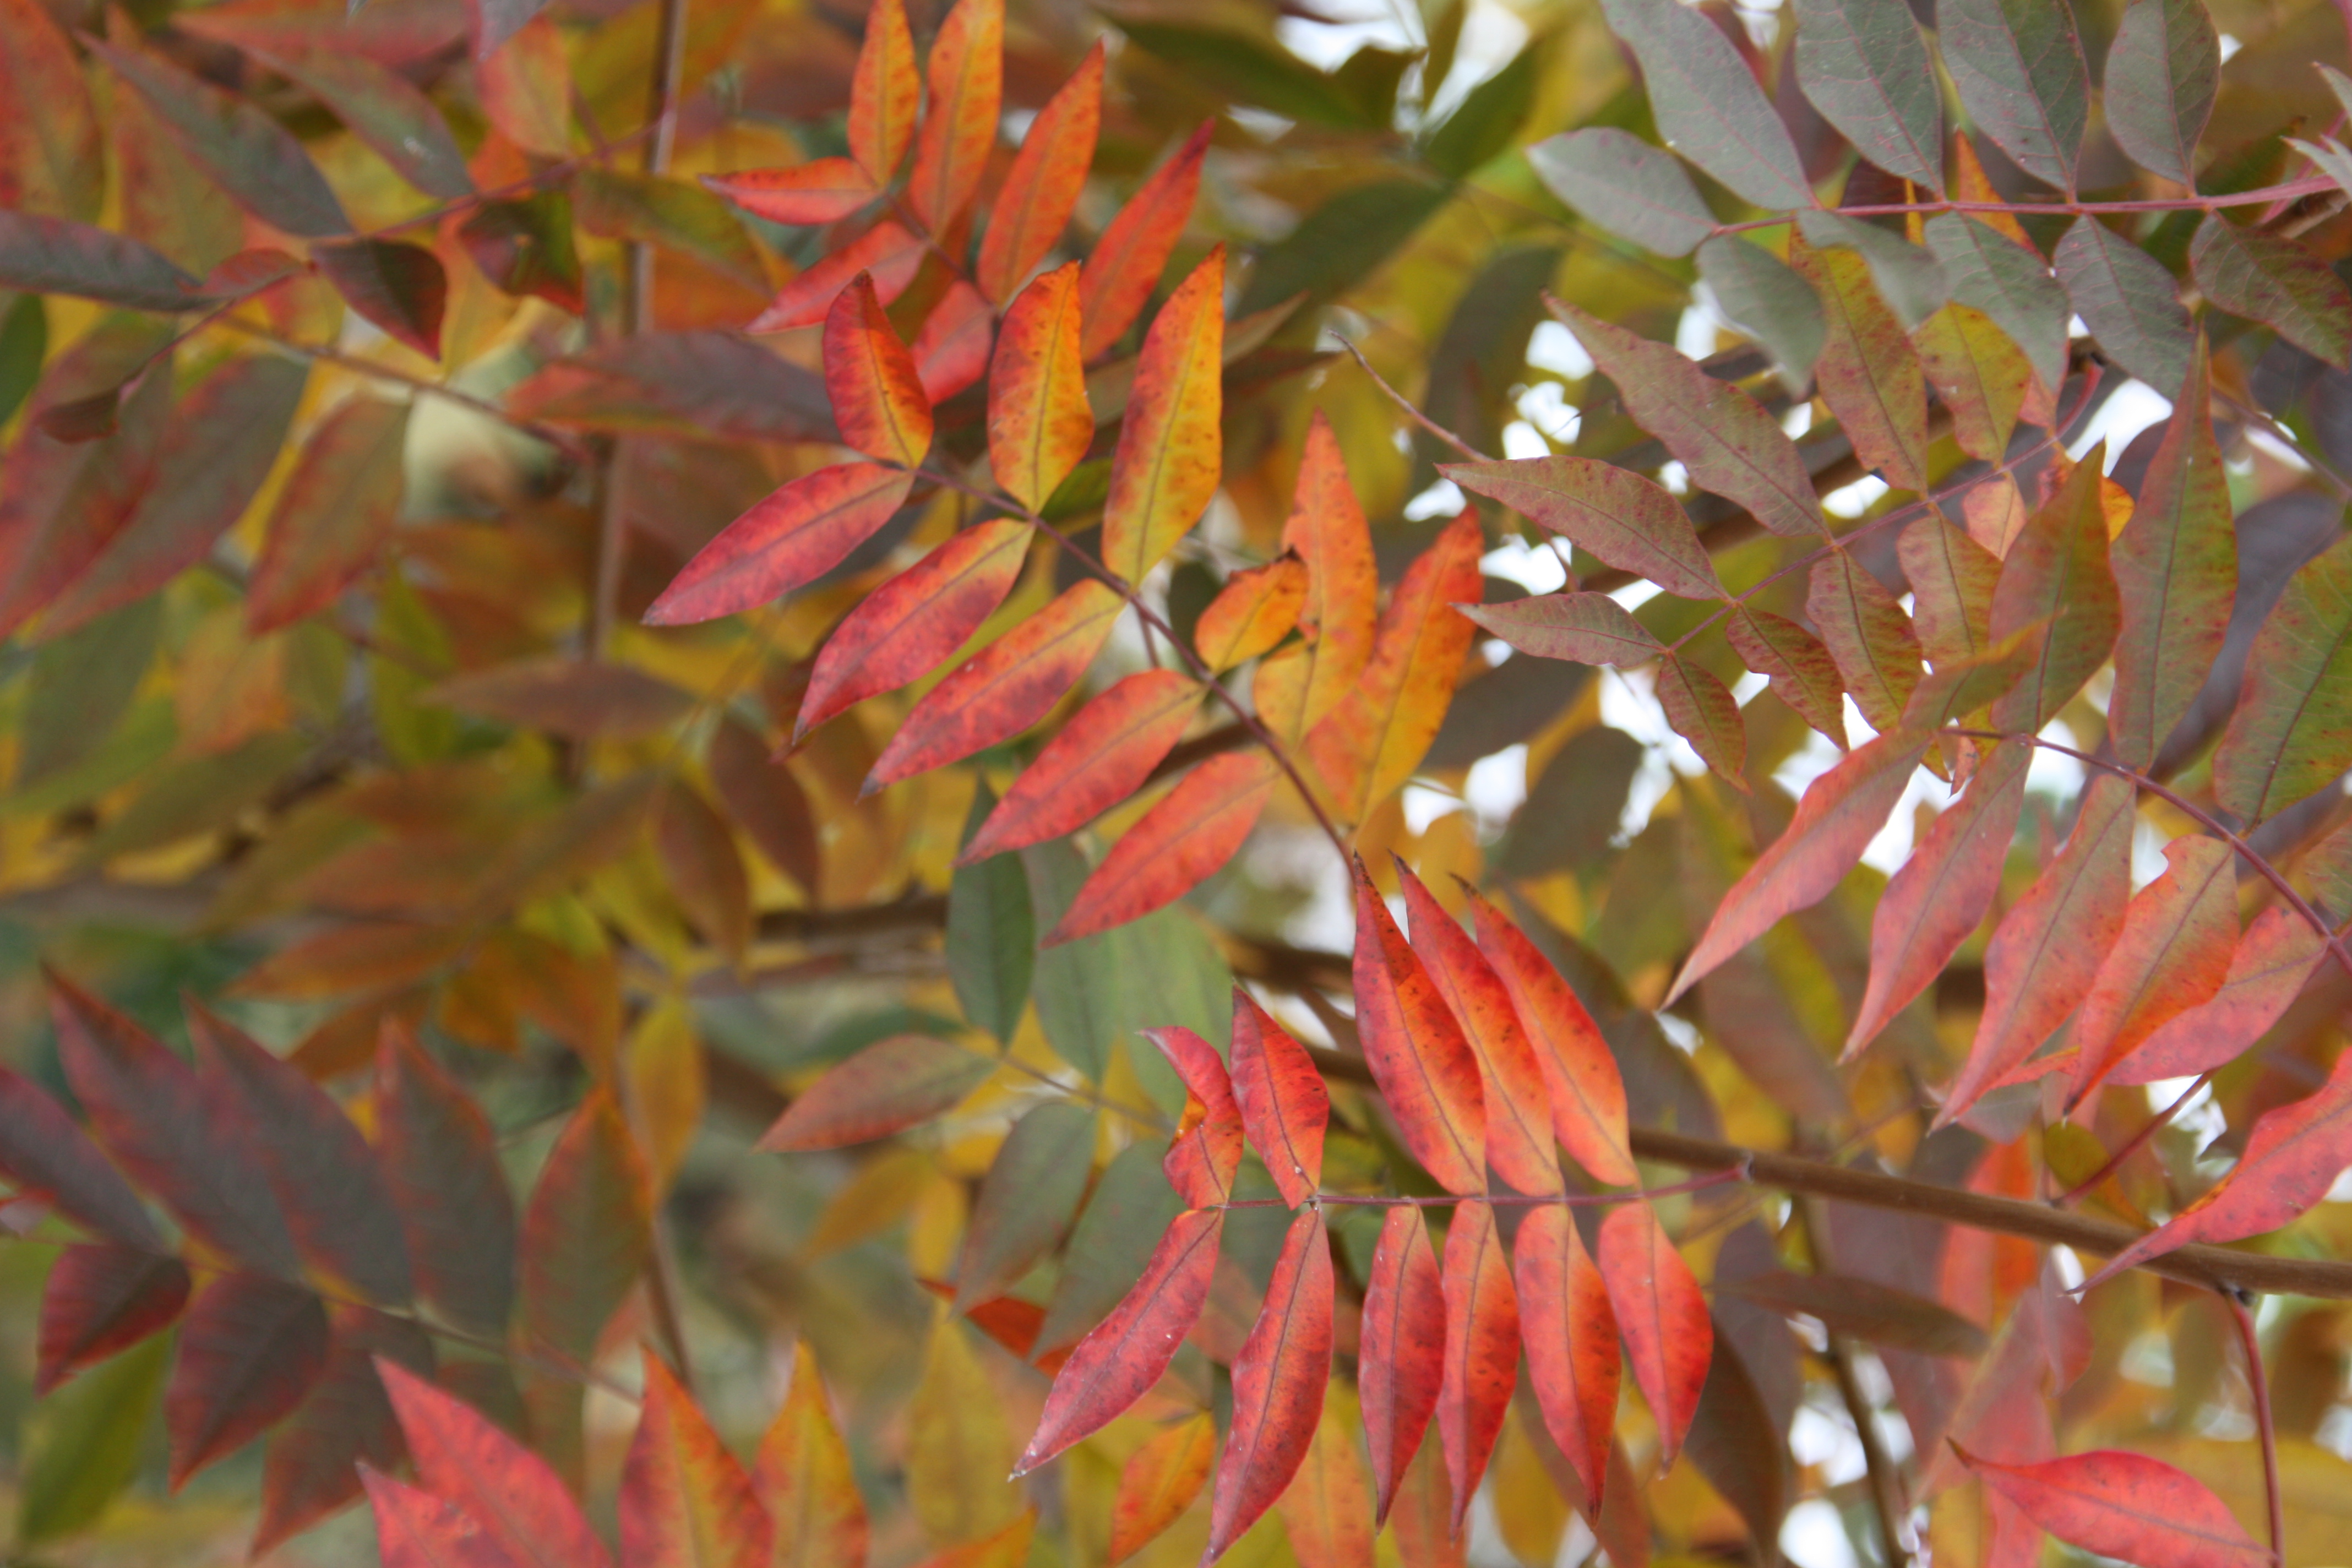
(951, 351)
(966, 77)
(1039, 424)
(1254, 611)
(1340, 618)
(1403, 1349)
(1662, 1315)
(878, 399)
(1188, 835)
(2126, 1506)
(1581, 1077)
(1159, 1483)
(2272, 962)
(1117, 1364)
(685, 1500)
(1207, 1148)
(887, 250)
(1100, 758)
(1327, 1512)
(1518, 1109)
(1170, 451)
(788, 541)
(1416, 1051)
(1124, 266)
(903, 629)
(413, 1529)
(1482, 1349)
(1041, 189)
(819, 190)
(1570, 1334)
(1278, 1383)
(1285, 1105)
(464, 1458)
(802, 1475)
(2178, 935)
(1005, 688)
(885, 92)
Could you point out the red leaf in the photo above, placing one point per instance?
(45, 1156)
(442, 1162)
(1117, 1364)
(1278, 1383)
(2126, 1506)
(887, 250)
(819, 190)
(1571, 1339)
(1254, 611)
(1664, 1319)
(1207, 1148)
(1518, 1109)
(878, 399)
(1482, 1349)
(1841, 812)
(249, 1350)
(966, 78)
(334, 513)
(312, 1466)
(514, 1495)
(951, 351)
(1187, 836)
(905, 628)
(889, 1086)
(1159, 1483)
(788, 541)
(586, 1232)
(399, 288)
(685, 1500)
(802, 1475)
(1033, 207)
(1003, 689)
(1102, 756)
(2178, 935)
(100, 1300)
(413, 1529)
(1125, 264)
(2272, 962)
(1581, 1077)
(1403, 1350)
(1616, 515)
(1284, 1105)
(2056, 570)
(1416, 1050)
(1171, 453)
(1941, 893)
(1423, 1523)
(1039, 422)
(885, 93)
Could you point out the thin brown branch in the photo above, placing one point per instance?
(2259, 1382)
(1406, 405)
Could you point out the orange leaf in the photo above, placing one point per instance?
(1101, 757)
(1662, 1316)
(802, 1474)
(1171, 450)
(1188, 835)
(2272, 962)
(885, 92)
(1207, 1148)
(1254, 611)
(685, 1500)
(1284, 1106)
(788, 541)
(966, 78)
(878, 399)
(819, 190)
(1403, 1349)
(1041, 190)
(1572, 1340)
(1005, 688)
(1340, 617)
(516, 1495)
(1326, 1510)
(1008, 1548)
(1125, 264)
(1482, 1349)
(887, 250)
(1416, 1051)
(1159, 1483)
(2126, 1506)
(951, 351)
(1278, 1385)
(1038, 422)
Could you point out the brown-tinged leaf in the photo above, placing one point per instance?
(878, 399)
(2268, 277)
(45, 1156)
(2126, 297)
(1669, 1336)
(333, 515)
(1039, 424)
(760, 794)
(1278, 1385)
(1870, 375)
(703, 384)
(50, 157)
(1041, 189)
(1169, 456)
(585, 1231)
(441, 1159)
(1614, 514)
(312, 1467)
(1865, 1309)
(702, 867)
(248, 1352)
(102, 1299)
(2056, 571)
(525, 248)
(1868, 635)
(578, 699)
(1416, 1051)
(1187, 836)
(790, 540)
(1404, 1351)
(889, 1086)
(1584, 628)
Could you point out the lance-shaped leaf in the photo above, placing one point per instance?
(1669, 1337)
(1614, 514)
(1283, 1102)
(586, 1232)
(1518, 1112)
(1159, 1483)
(441, 1161)
(885, 92)
(1039, 424)
(402, 288)
(951, 351)
(1340, 618)
(2126, 299)
(802, 1475)
(2050, 945)
(1416, 1050)
(1909, 278)
(1482, 1349)
(1962, 685)
(249, 1350)
(1171, 450)
(703, 867)
(1584, 628)
(1102, 756)
(1620, 182)
(1327, 1510)
(2269, 278)
(1762, 297)
(877, 399)
(1708, 107)
(1030, 1195)
(685, 1500)
(1869, 372)
(1865, 68)
(2273, 961)
(413, 1529)
(2056, 571)
(819, 190)
(1402, 1358)
(333, 514)
(1041, 189)
(1187, 836)
(1718, 432)
(2007, 281)
(1952, 579)
(2126, 1506)
(1840, 814)
(1278, 1383)
(1980, 374)
(1581, 1077)
(903, 629)
(1940, 894)
(2019, 69)
(1850, 1304)
(99, 1300)
(2291, 733)
(787, 541)
(1117, 1364)
(1207, 1148)
(889, 1086)
(514, 1495)
(966, 78)
(1803, 672)
(42, 255)
(45, 1156)
(1570, 1332)
(2162, 71)
(311, 1468)
(1701, 710)
(2179, 936)
(51, 149)
(887, 250)
(1124, 266)
(1868, 635)
(1254, 610)
(570, 697)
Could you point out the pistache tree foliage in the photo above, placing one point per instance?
(1013, 786)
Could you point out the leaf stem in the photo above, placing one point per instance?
(1500, 1200)
(2291, 190)
(2089, 1183)
(1412, 413)
(2259, 1381)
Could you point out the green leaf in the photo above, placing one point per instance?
(1952, 579)
(585, 1233)
(24, 344)
(2269, 278)
(53, 256)
(2127, 300)
(1341, 242)
(1254, 71)
(1762, 295)
(1707, 106)
(1989, 272)
(2056, 572)
(1481, 129)
(196, 796)
(1574, 805)
(1075, 984)
(51, 156)
(617, 204)
(1864, 66)
(991, 940)
(2162, 71)
(384, 110)
(85, 1441)
(1912, 278)
(1980, 374)
(1868, 635)
(1026, 1200)
(2017, 67)
(79, 688)
(1171, 973)
(1621, 183)
(1483, 353)
(1869, 372)
(1131, 1208)
(2292, 732)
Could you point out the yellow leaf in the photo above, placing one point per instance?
(959, 1450)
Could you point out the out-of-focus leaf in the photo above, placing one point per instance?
(524, 247)
(885, 93)
(2008, 282)
(2124, 1505)
(1480, 130)
(615, 204)
(965, 76)
(1039, 425)
(50, 154)
(1708, 107)
(333, 514)
(1869, 372)
(2269, 278)
(383, 109)
(1865, 68)
(1168, 459)
(2056, 571)
(569, 696)
(1078, 986)
(785, 542)
(2180, 934)
(819, 190)
(2127, 300)
(586, 1232)
(1734, 1441)
(802, 1476)
(1159, 1483)
(1327, 1510)
(1614, 514)
(2162, 71)
(311, 1466)
(708, 383)
(413, 1529)
(1341, 243)
(1668, 1335)
(2273, 961)
(1279, 1380)
(990, 935)
(1978, 374)
(1254, 71)
(703, 868)
(55, 256)
(102, 1300)
(441, 1159)
(248, 1352)
(24, 347)
(760, 794)
(86, 1442)
(1403, 1350)
(2017, 67)
(510, 1492)
(79, 688)
(889, 1086)
(685, 1501)
(1028, 1198)
(2286, 737)
(1131, 1207)
(1123, 269)
(951, 352)
(1761, 295)
(1866, 1309)
(1041, 189)
(1868, 635)
(1574, 805)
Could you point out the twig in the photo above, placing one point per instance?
(1412, 413)
(2259, 1381)
(1886, 1486)
(2164, 1119)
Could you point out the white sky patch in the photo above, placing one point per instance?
(1695, 333)
(1546, 407)
(1796, 419)
(1443, 498)
(1854, 499)
(1532, 566)
(1552, 347)
(2231, 44)
(1423, 805)
(1893, 842)
(1521, 439)
(2055, 772)
(1674, 477)
(1497, 787)
(2134, 406)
